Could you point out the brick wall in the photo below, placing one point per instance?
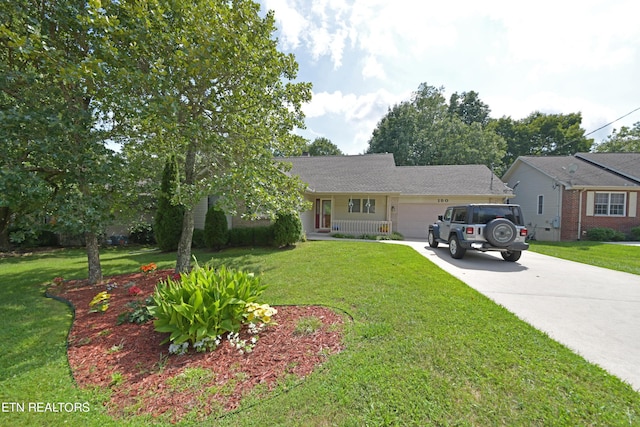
(570, 213)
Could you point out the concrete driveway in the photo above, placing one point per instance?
(593, 311)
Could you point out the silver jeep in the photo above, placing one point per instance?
(487, 227)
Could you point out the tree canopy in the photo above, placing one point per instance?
(625, 140)
(322, 146)
(203, 81)
(426, 131)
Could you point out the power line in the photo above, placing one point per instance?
(610, 123)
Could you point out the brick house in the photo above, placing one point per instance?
(563, 197)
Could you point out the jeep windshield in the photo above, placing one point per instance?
(484, 214)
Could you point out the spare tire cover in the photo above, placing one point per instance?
(500, 232)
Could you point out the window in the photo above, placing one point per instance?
(611, 204)
(369, 206)
(362, 205)
(354, 205)
(460, 215)
(540, 204)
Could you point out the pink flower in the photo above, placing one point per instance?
(134, 290)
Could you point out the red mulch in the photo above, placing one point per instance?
(98, 348)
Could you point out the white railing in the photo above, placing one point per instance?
(358, 227)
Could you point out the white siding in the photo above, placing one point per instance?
(633, 204)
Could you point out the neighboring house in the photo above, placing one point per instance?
(562, 197)
(369, 194)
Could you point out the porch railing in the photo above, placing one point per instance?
(358, 227)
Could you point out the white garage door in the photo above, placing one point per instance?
(414, 218)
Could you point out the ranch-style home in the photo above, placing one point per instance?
(562, 197)
(369, 194)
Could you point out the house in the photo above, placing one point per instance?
(369, 194)
(562, 197)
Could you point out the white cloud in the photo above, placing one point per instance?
(373, 68)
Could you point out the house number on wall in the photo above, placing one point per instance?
(443, 200)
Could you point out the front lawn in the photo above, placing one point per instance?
(607, 255)
(423, 348)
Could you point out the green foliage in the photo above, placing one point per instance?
(635, 233)
(307, 325)
(323, 147)
(216, 230)
(198, 239)
(626, 140)
(141, 233)
(542, 134)
(203, 304)
(169, 216)
(251, 236)
(604, 234)
(287, 229)
(425, 131)
(138, 312)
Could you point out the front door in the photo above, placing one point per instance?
(325, 220)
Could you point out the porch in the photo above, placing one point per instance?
(358, 227)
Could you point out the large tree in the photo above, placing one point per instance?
(322, 146)
(469, 108)
(426, 131)
(50, 78)
(203, 80)
(625, 140)
(541, 134)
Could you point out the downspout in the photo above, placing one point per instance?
(580, 214)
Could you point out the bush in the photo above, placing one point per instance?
(251, 236)
(168, 224)
(635, 233)
(216, 231)
(604, 234)
(203, 304)
(197, 241)
(287, 229)
(141, 233)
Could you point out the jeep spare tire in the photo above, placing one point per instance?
(500, 232)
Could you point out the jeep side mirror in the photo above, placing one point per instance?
(439, 217)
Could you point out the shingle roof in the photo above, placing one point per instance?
(625, 164)
(449, 180)
(576, 171)
(378, 173)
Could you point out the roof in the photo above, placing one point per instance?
(378, 173)
(451, 180)
(588, 169)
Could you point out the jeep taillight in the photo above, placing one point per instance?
(523, 232)
(470, 230)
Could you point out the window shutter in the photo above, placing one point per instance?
(633, 204)
(590, 201)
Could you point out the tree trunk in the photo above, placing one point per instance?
(183, 263)
(5, 216)
(93, 256)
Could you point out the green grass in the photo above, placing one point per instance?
(423, 348)
(615, 257)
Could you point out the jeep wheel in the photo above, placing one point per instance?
(432, 240)
(511, 256)
(455, 249)
(500, 232)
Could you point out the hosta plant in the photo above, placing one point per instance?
(203, 304)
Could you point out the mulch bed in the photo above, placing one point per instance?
(130, 360)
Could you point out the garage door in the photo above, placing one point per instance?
(414, 218)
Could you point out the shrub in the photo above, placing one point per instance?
(203, 304)
(287, 229)
(141, 233)
(168, 223)
(604, 234)
(197, 240)
(216, 231)
(251, 236)
(635, 233)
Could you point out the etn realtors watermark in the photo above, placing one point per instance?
(60, 407)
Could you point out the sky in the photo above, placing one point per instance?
(365, 56)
